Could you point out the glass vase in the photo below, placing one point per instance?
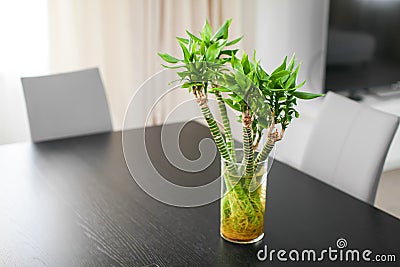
(243, 201)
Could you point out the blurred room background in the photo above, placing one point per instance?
(123, 37)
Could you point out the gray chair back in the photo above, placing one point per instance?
(348, 146)
(66, 105)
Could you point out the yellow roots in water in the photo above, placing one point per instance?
(247, 233)
(242, 216)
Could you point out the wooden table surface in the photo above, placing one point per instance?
(73, 202)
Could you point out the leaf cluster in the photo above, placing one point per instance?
(203, 56)
(280, 89)
(243, 94)
(247, 85)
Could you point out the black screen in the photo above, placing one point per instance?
(363, 44)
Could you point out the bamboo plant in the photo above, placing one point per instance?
(265, 103)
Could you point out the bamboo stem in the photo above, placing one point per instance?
(248, 152)
(235, 188)
(273, 137)
(227, 127)
(219, 140)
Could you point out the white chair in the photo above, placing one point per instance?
(348, 146)
(66, 105)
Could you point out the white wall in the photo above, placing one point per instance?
(285, 27)
(23, 52)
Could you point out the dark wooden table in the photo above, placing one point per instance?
(73, 202)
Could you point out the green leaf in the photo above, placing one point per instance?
(281, 67)
(255, 58)
(281, 73)
(236, 64)
(231, 104)
(221, 89)
(229, 52)
(245, 63)
(262, 74)
(183, 40)
(185, 72)
(306, 95)
(237, 98)
(222, 32)
(228, 80)
(221, 43)
(212, 52)
(291, 63)
(296, 71)
(297, 87)
(186, 53)
(235, 41)
(241, 80)
(289, 82)
(172, 67)
(168, 58)
(275, 90)
(190, 84)
(202, 48)
(192, 46)
(194, 37)
(207, 31)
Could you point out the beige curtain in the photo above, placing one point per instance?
(122, 37)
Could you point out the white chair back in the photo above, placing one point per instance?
(348, 146)
(66, 105)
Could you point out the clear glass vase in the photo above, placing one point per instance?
(243, 201)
